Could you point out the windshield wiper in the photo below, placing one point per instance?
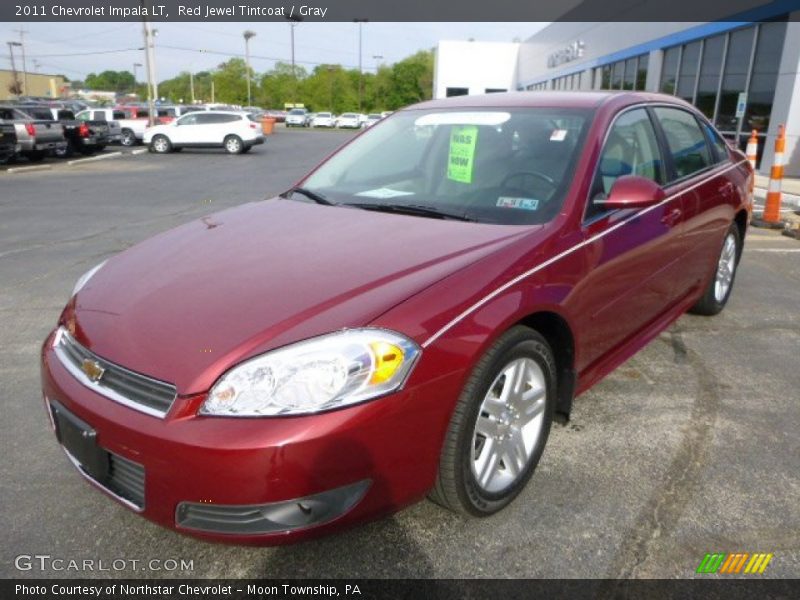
(412, 209)
(315, 196)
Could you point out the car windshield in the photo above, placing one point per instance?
(323, 115)
(297, 111)
(509, 166)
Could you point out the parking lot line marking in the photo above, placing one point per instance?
(139, 151)
(94, 158)
(28, 169)
(778, 250)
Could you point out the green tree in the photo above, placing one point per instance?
(111, 81)
(280, 85)
(411, 80)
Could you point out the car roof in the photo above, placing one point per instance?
(549, 99)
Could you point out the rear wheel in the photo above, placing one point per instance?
(233, 144)
(160, 144)
(35, 156)
(128, 138)
(721, 284)
(65, 151)
(499, 427)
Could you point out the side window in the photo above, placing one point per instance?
(205, 118)
(118, 115)
(720, 147)
(631, 148)
(188, 120)
(686, 142)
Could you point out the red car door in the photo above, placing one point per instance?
(700, 174)
(631, 254)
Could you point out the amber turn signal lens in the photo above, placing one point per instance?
(388, 359)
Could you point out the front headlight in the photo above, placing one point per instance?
(84, 279)
(324, 373)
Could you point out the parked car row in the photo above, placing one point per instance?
(300, 117)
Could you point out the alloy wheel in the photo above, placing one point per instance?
(509, 425)
(725, 268)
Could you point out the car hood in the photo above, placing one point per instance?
(186, 305)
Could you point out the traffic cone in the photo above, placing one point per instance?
(771, 216)
(752, 149)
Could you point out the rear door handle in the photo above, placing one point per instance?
(672, 217)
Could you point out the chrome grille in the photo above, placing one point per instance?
(117, 383)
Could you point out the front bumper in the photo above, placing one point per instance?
(370, 459)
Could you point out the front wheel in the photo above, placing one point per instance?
(721, 284)
(233, 144)
(499, 427)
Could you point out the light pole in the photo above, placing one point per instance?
(293, 21)
(17, 87)
(376, 58)
(153, 36)
(330, 78)
(136, 65)
(360, 69)
(247, 35)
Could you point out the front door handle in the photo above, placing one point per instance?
(672, 217)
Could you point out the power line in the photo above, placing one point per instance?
(88, 53)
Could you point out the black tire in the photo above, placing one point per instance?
(246, 149)
(100, 147)
(709, 303)
(233, 144)
(456, 487)
(160, 144)
(66, 151)
(128, 138)
(87, 150)
(35, 156)
(177, 148)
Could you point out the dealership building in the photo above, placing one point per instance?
(741, 75)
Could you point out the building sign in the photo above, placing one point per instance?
(741, 104)
(572, 52)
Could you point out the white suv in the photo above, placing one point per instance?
(235, 131)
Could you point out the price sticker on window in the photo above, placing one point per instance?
(461, 159)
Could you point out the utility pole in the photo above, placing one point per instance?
(22, 33)
(247, 35)
(153, 35)
(360, 69)
(150, 105)
(17, 87)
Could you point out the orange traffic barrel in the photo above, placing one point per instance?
(267, 125)
(772, 206)
(752, 149)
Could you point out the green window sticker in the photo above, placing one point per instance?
(461, 159)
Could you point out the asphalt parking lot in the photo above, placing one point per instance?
(690, 447)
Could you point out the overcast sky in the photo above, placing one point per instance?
(48, 45)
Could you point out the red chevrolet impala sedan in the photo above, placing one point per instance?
(405, 321)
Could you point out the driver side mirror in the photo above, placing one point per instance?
(633, 191)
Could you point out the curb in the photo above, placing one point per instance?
(94, 158)
(29, 169)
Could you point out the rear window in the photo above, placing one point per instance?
(297, 111)
(39, 113)
(118, 114)
(66, 114)
(686, 142)
(324, 115)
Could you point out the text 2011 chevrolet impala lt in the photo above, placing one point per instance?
(405, 321)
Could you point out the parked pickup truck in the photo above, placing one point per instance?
(132, 125)
(99, 114)
(86, 137)
(36, 137)
(8, 141)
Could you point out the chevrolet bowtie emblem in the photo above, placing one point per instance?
(92, 369)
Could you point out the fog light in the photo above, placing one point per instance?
(274, 517)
